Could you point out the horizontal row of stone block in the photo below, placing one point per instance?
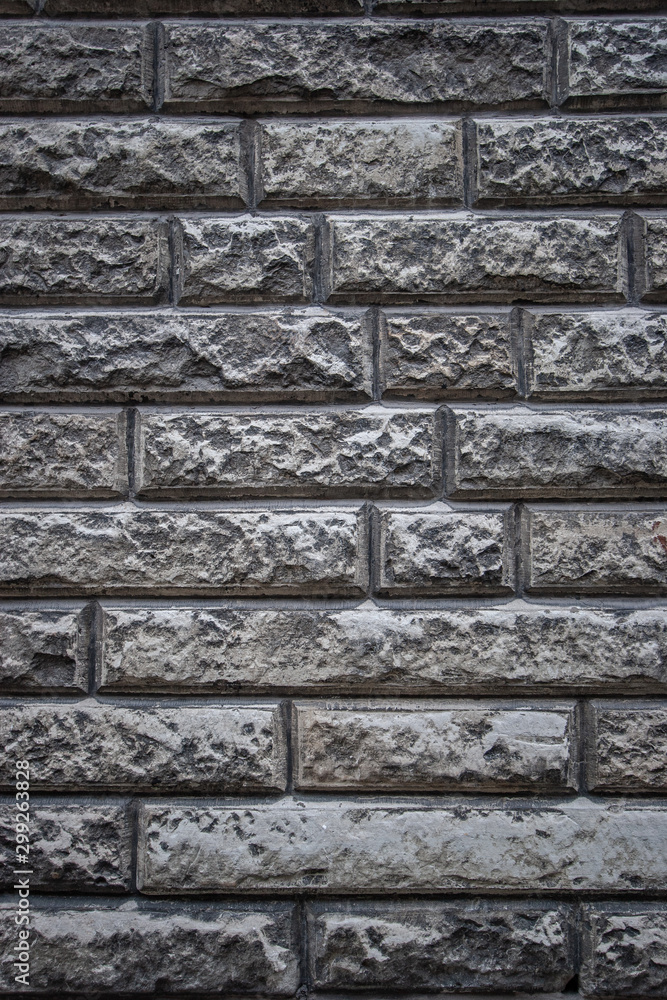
(379, 65)
(348, 846)
(380, 746)
(142, 946)
(314, 354)
(435, 550)
(502, 452)
(516, 648)
(162, 163)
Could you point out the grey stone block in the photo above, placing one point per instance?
(391, 162)
(372, 452)
(54, 453)
(452, 946)
(74, 846)
(628, 747)
(247, 259)
(155, 164)
(439, 550)
(432, 747)
(354, 66)
(84, 261)
(203, 8)
(142, 946)
(353, 847)
(75, 68)
(462, 257)
(610, 355)
(624, 951)
(600, 551)
(444, 355)
(655, 250)
(133, 551)
(517, 647)
(523, 452)
(306, 354)
(43, 650)
(555, 161)
(93, 747)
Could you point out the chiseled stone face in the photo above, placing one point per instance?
(43, 650)
(354, 65)
(612, 59)
(309, 354)
(208, 748)
(625, 951)
(143, 946)
(415, 747)
(376, 451)
(655, 243)
(519, 647)
(629, 747)
(463, 945)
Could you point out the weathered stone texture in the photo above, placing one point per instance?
(247, 259)
(82, 261)
(353, 847)
(444, 355)
(432, 748)
(439, 550)
(371, 452)
(75, 67)
(606, 552)
(43, 650)
(54, 453)
(353, 66)
(578, 161)
(108, 164)
(301, 354)
(129, 550)
(73, 846)
(615, 355)
(625, 951)
(612, 63)
(199, 8)
(521, 452)
(655, 249)
(390, 162)
(92, 746)
(144, 947)
(468, 258)
(629, 748)
(479, 946)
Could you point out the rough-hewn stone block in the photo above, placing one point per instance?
(373, 452)
(523, 452)
(151, 947)
(246, 259)
(92, 746)
(74, 846)
(603, 551)
(468, 258)
(655, 249)
(577, 161)
(85, 261)
(203, 8)
(434, 747)
(354, 66)
(444, 355)
(517, 647)
(75, 67)
(624, 951)
(43, 650)
(615, 355)
(130, 550)
(616, 63)
(105, 164)
(392, 162)
(478, 946)
(52, 453)
(628, 747)
(443, 551)
(299, 354)
(352, 847)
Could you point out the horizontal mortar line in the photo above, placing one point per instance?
(416, 212)
(75, 311)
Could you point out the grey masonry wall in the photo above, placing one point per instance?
(333, 496)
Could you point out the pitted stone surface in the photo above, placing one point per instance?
(630, 748)
(625, 951)
(43, 650)
(616, 61)
(655, 249)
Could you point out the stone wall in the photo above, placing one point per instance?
(333, 534)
